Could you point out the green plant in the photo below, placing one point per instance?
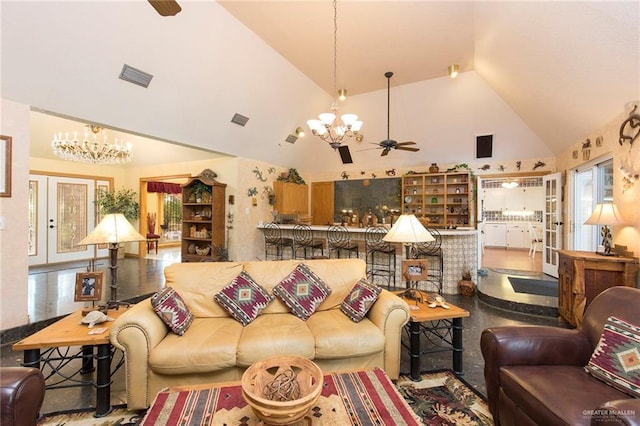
(122, 201)
(199, 187)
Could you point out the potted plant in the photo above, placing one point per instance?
(122, 201)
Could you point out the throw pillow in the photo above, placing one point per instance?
(243, 298)
(171, 308)
(360, 299)
(616, 359)
(302, 291)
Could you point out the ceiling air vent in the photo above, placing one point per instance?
(240, 120)
(135, 76)
(291, 139)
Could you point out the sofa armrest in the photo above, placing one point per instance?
(136, 333)
(528, 345)
(618, 412)
(390, 313)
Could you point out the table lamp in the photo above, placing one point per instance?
(113, 229)
(605, 214)
(408, 230)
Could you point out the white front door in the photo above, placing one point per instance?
(552, 235)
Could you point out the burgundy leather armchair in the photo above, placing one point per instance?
(21, 395)
(535, 374)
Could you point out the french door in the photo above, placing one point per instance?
(552, 239)
(61, 214)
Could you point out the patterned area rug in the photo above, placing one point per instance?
(442, 398)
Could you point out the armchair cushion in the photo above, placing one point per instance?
(244, 299)
(302, 291)
(616, 359)
(170, 307)
(360, 299)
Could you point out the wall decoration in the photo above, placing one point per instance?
(538, 165)
(586, 149)
(391, 172)
(232, 199)
(271, 170)
(518, 165)
(485, 167)
(344, 175)
(501, 168)
(88, 286)
(292, 177)
(599, 141)
(5, 165)
(630, 128)
(574, 154)
(252, 192)
(258, 174)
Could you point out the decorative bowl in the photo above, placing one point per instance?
(271, 378)
(202, 251)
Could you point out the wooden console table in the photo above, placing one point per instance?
(583, 275)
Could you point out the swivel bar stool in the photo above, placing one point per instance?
(273, 239)
(432, 252)
(303, 240)
(380, 255)
(338, 240)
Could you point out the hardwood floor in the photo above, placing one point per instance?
(517, 259)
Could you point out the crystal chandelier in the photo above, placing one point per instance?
(91, 150)
(328, 128)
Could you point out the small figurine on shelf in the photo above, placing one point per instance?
(192, 231)
(434, 168)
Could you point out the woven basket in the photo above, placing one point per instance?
(256, 378)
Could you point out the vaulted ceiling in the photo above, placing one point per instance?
(540, 75)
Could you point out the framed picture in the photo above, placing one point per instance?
(5, 165)
(415, 270)
(88, 286)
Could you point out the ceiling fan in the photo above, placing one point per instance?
(166, 7)
(389, 144)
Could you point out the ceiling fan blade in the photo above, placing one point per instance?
(406, 148)
(166, 7)
(385, 152)
(406, 143)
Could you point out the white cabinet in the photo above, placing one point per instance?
(493, 199)
(517, 236)
(495, 235)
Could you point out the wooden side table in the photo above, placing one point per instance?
(43, 348)
(442, 327)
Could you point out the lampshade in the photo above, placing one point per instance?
(113, 228)
(605, 214)
(407, 230)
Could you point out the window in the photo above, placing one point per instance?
(593, 184)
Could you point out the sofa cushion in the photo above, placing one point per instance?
(616, 359)
(302, 291)
(210, 345)
(170, 307)
(336, 336)
(555, 394)
(360, 299)
(272, 335)
(244, 299)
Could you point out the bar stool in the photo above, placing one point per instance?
(338, 240)
(303, 240)
(380, 255)
(273, 238)
(432, 252)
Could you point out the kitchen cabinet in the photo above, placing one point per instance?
(516, 236)
(203, 219)
(322, 203)
(530, 198)
(493, 199)
(583, 275)
(495, 234)
(291, 198)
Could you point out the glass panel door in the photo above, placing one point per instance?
(552, 223)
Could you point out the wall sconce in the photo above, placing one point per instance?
(300, 132)
(342, 94)
(453, 70)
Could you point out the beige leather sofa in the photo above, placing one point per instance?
(218, 348)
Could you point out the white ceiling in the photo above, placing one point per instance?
(540, 75)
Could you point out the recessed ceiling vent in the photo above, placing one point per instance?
(240, 120)
(291, 139)
(135, 76)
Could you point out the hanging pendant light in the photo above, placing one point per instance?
(327, 127)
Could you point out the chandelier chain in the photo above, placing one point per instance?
(335, 46)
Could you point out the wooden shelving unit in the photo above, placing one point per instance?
(443, 198)
(203, 219)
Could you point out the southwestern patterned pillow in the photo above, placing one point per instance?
(616, 359)
(170, 307)
(360, 299)
(302, 291)
(244, 299)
